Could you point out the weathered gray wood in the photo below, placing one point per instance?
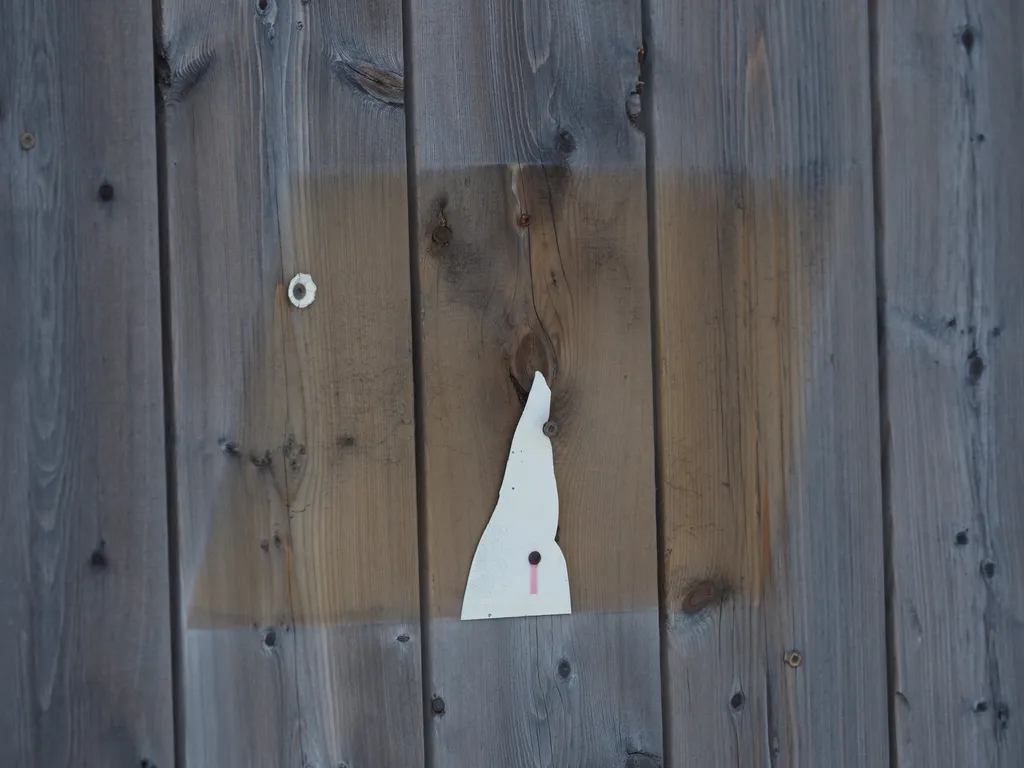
(285, 149)
(85, 641)
(532, 255)
(951, 110)
(770, 464)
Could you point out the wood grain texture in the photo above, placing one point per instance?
(85, 646)
(295, 463)
(532, 255)
(767, 367)
(950, 109)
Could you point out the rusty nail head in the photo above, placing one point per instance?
(794, 659)
(28, 141)
(550, 428)
(523, 220)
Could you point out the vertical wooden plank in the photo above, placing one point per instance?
(950, 109)
(85, 645)
(532, 255)
(767, 361)
(295, 455)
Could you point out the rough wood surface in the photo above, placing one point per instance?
(295, 464)
(532, 255)
(85, 646)
(952, 210)
(767, 364)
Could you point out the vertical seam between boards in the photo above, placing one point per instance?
(650, 181)
(419, 438)
(878, 210)
(169, 411)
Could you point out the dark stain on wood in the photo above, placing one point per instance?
(642, 760)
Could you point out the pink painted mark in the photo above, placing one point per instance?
(533, 579)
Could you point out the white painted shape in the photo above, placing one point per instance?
(524, 520)
(307, 282)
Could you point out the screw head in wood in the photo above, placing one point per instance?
(301, 290)
(794, 659)
(27, 141)
(437, 705)
(550, 428)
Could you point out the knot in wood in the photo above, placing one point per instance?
(441, 235)
(700, 597)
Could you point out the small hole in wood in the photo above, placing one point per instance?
(975, 367)
(967, 39)
(299, 291)
(737, 701)
(269, 639)
(262, 4)
(564, 669)
(1003, 714)
(961, 538)
(988, 569)
(98, 558)
(106, 193)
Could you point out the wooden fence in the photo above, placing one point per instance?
(768, 252)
